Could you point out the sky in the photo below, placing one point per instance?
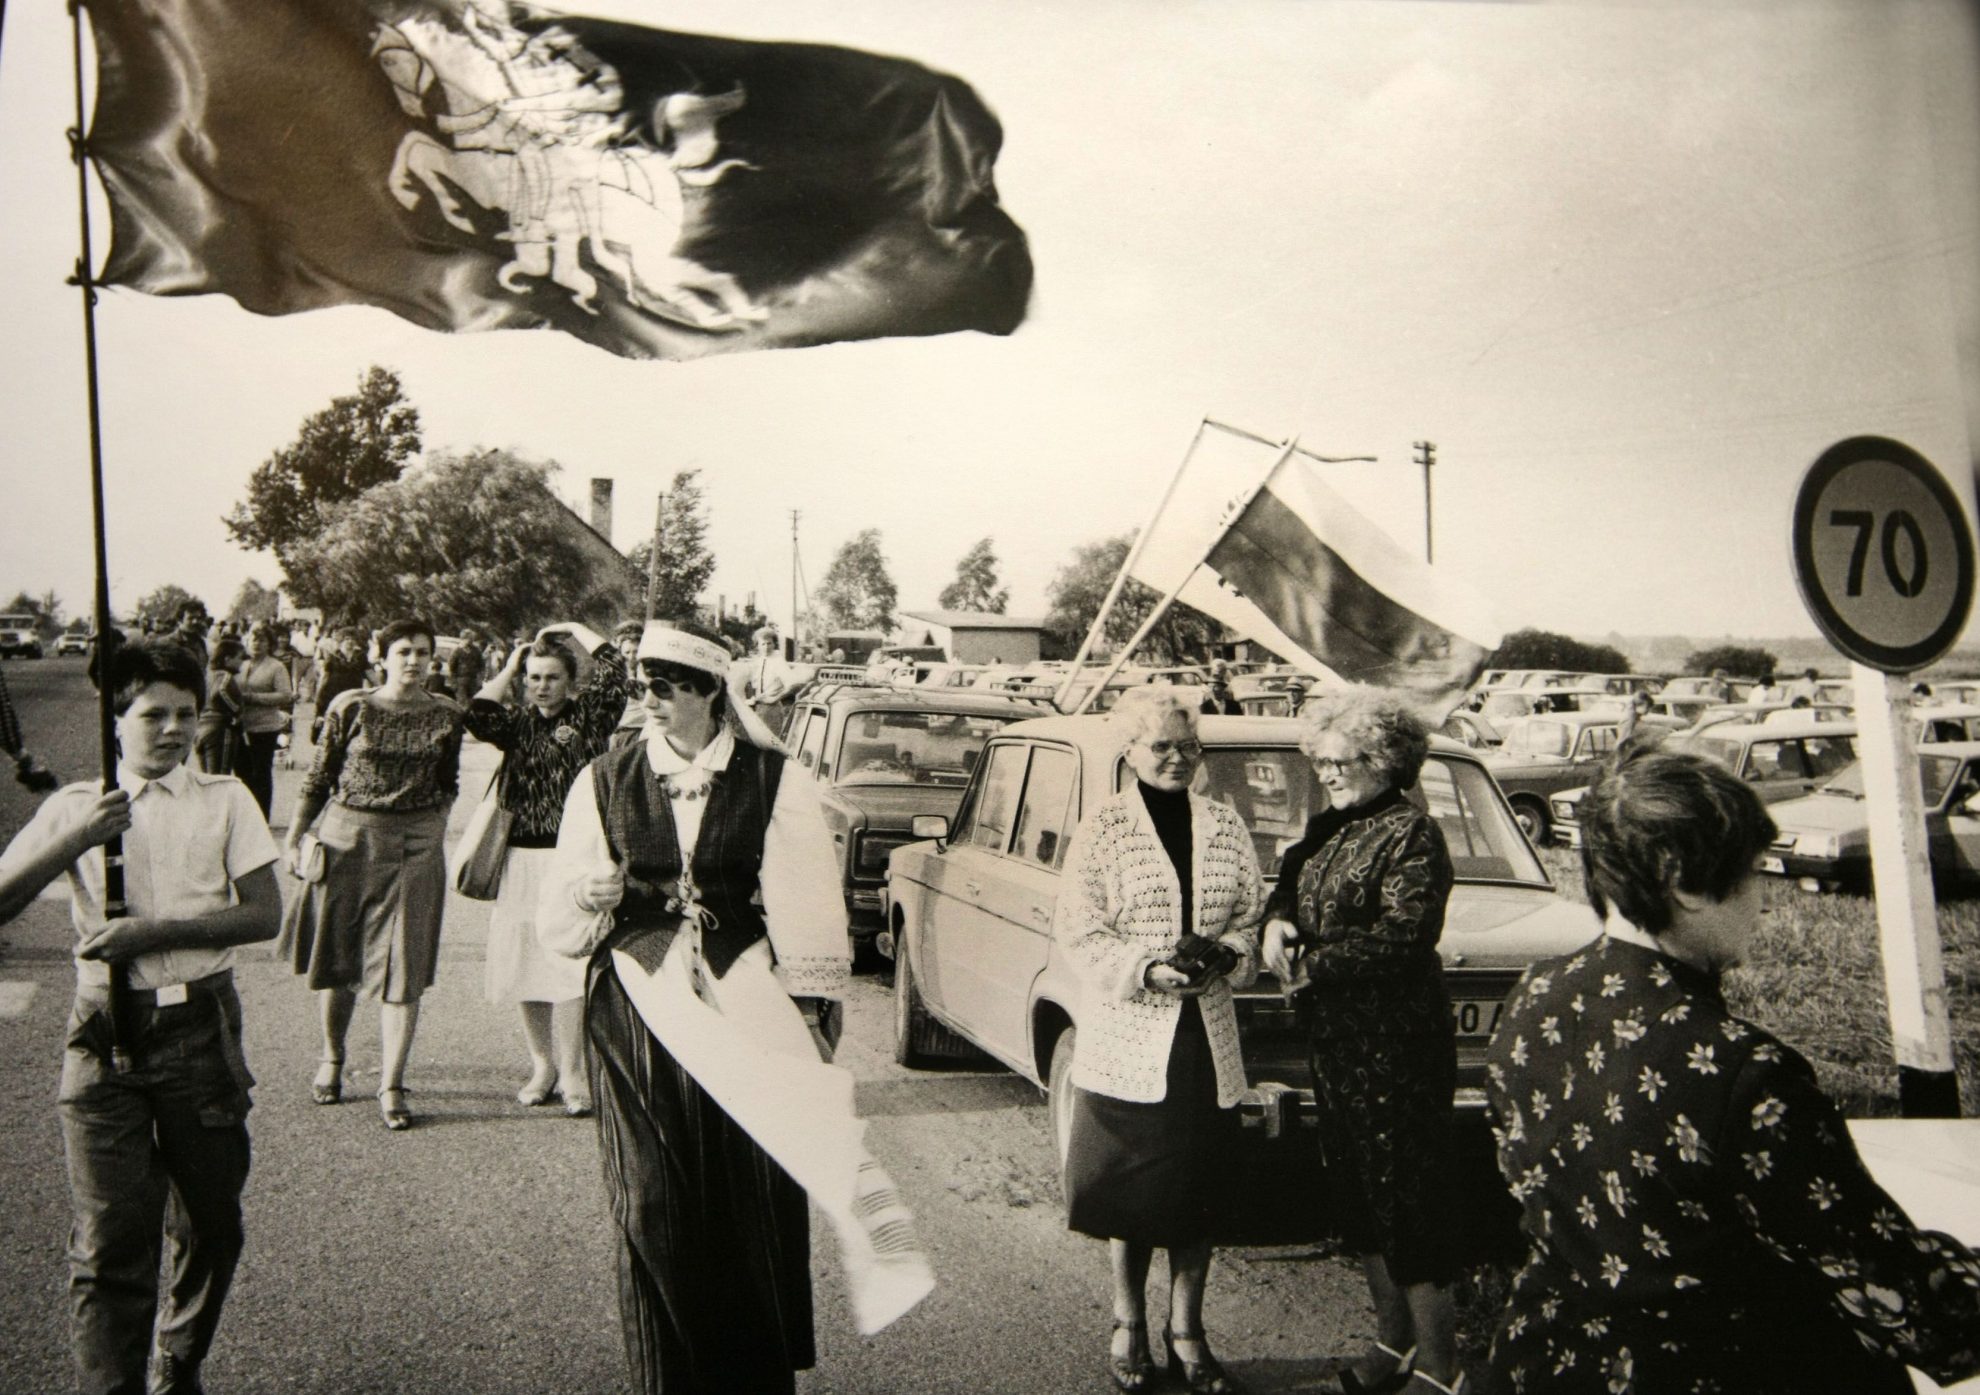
(1630, 267)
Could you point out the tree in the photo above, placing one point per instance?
(1738, 661)
(468, 539)
(858, 593)
(1183, 634)
(365, 439)
(254, 602)
(975, 586)
(686, 564)
(1545, 649)
(162, 606)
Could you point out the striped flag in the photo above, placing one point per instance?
(1295, 567)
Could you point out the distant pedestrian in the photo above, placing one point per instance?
(222, 742)
(158, 1153)
(1295, 695)
(340, 668)
(30, 772)
(1803, 687)
(465, 667)
(266, 701)
(368, 916)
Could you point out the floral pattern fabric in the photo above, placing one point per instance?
(543, 755)
(1698, 1217)
(382, 759)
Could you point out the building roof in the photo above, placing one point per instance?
(973, 620)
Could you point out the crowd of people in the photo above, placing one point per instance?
(1696, 1215)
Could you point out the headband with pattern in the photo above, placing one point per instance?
(672, 646)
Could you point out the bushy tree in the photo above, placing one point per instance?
(858, 593)
(975, 587)
(254, 602)
(1545, 649)
(1738, 661)
(475, 538)
(1183, 634)
(686, 563)
(364, 439)
(161, 607)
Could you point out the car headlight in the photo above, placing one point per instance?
(1563, 808)
(1828, 845)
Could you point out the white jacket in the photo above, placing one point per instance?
(1119, 912)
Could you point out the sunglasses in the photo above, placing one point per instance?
(664, 680)
(1162, 750)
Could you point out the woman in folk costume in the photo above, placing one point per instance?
(689, 857)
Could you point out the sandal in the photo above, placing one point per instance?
(392, 1108)
(1456, 1387)
(329, 1091)
(1205, 1376)
(1395, 1380)
(577, 1106)
(1134, 1372)
(533, 1093)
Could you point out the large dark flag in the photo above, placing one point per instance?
(473, 164)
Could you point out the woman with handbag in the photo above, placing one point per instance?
(219, 740)
(385, 775)
(545, 742)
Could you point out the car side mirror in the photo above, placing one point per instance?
(934, 826)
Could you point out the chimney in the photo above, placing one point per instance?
(601, 508)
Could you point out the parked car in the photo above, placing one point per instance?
(1719, 712)
(20, 637)
(885, 755)
(1471, 730)
(971, 912)
(1780, 760)
(1542, 756)
(72, 642)
(1700, 685)
(1824, 839)
(1503, 705)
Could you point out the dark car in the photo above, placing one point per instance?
(886, 755)
(971, 914)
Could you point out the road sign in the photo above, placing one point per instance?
(1883, 554)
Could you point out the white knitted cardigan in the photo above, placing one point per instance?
(1118, 913)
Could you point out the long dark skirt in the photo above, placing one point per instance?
(714, 1250)
(1153, 1173)
(1384, 1106)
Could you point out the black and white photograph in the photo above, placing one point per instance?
(989, 697)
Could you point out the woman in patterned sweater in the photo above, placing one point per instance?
(1358, 911)
(1698, 1217)
(1157, 1071)
(545, 742)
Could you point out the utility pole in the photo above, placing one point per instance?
(1426, 456)
(791, 648)
(653, 557)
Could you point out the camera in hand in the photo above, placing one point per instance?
(1202, 958)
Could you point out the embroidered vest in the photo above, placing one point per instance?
(638, 819)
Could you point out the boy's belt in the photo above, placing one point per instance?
(171, 995)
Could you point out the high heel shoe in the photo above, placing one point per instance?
(1458, 1384)
(329, 1091)
(392, 1108)
(1204, 1376)
(1398, 1376)
(1134, 1372)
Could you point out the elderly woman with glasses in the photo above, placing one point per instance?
(545, 742)
(1697, 1215)
(1355, 919)
(691, 866)
(1161, 900)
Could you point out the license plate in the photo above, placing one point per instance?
(1772, 864)
(1475, 1017)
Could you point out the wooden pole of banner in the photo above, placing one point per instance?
(1907, 917)
(1120, 578)
(119, 1004)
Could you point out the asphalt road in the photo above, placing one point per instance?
(473, 1253)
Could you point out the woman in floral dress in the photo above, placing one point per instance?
(545, 742)
(1698, 1217)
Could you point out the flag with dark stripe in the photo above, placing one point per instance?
(476, 164)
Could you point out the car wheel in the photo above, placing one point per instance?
(919, 1040)
(1059, 1094)
(1533, 820)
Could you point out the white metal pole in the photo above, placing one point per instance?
(1907, 914)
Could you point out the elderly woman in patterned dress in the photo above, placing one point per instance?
(1357, 912)
(1150, 873)
(545, 742)
(386, 773)
(1698, 1217)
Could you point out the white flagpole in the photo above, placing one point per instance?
(1286, 450)
(1127, 565)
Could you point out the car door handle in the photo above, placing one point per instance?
(972, 888)
(1041, 914)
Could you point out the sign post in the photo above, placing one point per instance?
(1883, 555)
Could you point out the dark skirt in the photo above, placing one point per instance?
(1384, 1115)
(714, 1252)
(1153, 1173)
(374, 919)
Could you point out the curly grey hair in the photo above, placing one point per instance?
(1143, 710)
(1380, 723)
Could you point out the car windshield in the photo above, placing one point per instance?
(16, 622)
(1539, 739)
(1273, 789)
(912, 748)
(1507, 705)
(1935, 774)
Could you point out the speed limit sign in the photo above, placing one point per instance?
(1883, 554)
